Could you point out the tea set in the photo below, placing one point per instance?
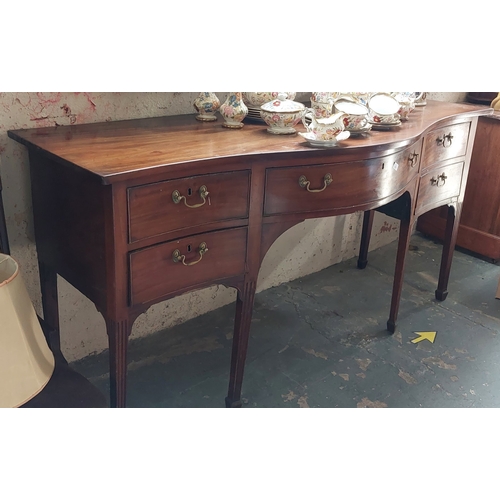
(335, 116)
(331, 118)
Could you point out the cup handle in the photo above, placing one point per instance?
(307, 112)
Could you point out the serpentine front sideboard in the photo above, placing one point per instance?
(135, 212)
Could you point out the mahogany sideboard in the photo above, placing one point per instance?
(135, 212)
(479, 229)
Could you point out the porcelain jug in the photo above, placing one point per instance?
(324, 129)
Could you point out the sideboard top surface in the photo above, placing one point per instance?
(117, 150)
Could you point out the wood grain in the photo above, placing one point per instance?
(117, 150)
(152, 210)
(435, 191)
(154, 274)
(479, 229)
(105, 219)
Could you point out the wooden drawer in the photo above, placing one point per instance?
(438, 186)
(352, 184)
(154, 273)
(445, 143)
(154, 211)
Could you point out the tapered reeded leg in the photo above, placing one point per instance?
(50, 306)
(397, 287)
(450, 239)
(243, 318)
(118, 333)
(365, 238)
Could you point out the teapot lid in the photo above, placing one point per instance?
(282, 105)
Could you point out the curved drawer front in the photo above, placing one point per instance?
(445, 143)
(438, 186)
(337, 186)
(163, 207)
(159, 270)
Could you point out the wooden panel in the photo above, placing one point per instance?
(69, 216)
(445, 143)
(481, 208)
(152, 210)
(154, 274)
(439, 186)
(481, 242)
(352, 184)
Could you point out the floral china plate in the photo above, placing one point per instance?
(310, 138)
(385, 126)
(362, 130)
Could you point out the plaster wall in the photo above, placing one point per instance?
(306, 248)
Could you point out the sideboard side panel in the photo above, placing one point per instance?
(68, 208)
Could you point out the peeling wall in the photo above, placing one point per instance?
(306, 248)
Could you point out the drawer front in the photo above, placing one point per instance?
(438, 186)
(337, 186)
(445, 143)
(159, 270)
(162, 207)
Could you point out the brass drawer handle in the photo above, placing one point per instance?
(304, 183)
(413, 159)
(178, 257)
(445, 141)
(177, 198)
(440, 181)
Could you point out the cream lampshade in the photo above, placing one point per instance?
(26, 362)
(495, 104)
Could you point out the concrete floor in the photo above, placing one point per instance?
(321, 341)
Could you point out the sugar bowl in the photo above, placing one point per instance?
(282, 115)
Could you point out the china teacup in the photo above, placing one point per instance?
(407, 105)
(324, 129)
(380, 118)
(356, 114)
(355, 122)
(383, 108)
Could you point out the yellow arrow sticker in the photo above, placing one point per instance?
(430, 336)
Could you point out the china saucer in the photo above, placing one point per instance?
(362, 130)
(385, 126)
(310, 138)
